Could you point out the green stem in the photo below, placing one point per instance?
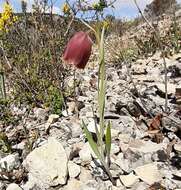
(101, 91)
(108, 172)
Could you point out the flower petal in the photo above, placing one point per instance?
(78, 50)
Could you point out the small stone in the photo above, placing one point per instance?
(177, 147)
(125, 138)
(118, 188)
(115, 170)
(118, 183)
(114, 133)
(10, 162)
(138, 70)
(177, 174)
(86, 112)
(2, 185)
(170, 125)
(85, 154)
(129, 180)
(19, 146)
(141, 186)
(149, 173)
(114, 149)
(127, 123)
(13, 186)
(76, 130)
(74, 169)
(73, 184)
(53, 118)
(160, 155)
(75, 149)
(91, 185)
(123, 146)
(71, 107)
(91, 126)
(144, 146)
(68, 152)
(85, 175)
(124, 164)
(170, 89)
(80, 105)
(41, 114)
(65, 113)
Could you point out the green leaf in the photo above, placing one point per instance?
(93, 145)
(102, 90)
(108, 138)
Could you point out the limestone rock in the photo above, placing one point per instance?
(76, 129)
(47, 165)
(177, 147)
(10, 162)
(73, 184)
(149, 173)
(13, 186)
(171, 88)
(114, 133)
(144, 146)
(177, 174)
(41, 114)
(93, 185)
(91, 127)
(53, 118)
(74, 169)
(85, 175)
(85, 154)
(114, 149)
(129, 180)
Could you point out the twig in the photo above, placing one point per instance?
(69, 25)
(3, 88)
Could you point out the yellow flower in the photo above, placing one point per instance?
(95, 5)
(7, 19)
(15, 18)
(106, 24)
(66, 8)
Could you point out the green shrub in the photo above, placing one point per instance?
(33, 47)
(55, 100)
(6, 116)
(4, 143)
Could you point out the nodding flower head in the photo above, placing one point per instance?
(78, 50)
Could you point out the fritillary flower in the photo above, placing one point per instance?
(78, 50)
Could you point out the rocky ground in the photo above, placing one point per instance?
(51, 152)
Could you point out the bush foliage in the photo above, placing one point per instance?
(33, 48)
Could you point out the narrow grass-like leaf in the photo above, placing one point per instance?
(102, 82)
(101, 90)
(93, 145)
(108, 138)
